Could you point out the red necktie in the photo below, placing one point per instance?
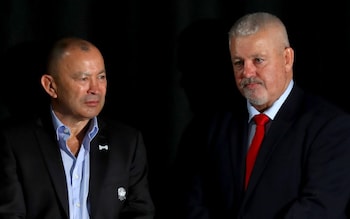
(260, 121)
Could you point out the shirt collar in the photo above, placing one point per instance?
(61, 128)
(271, 111)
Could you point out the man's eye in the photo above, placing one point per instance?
(102, 77)
(259, 60)
(238, 63)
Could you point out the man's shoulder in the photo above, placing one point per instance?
(114, 125)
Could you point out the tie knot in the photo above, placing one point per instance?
(261, 119)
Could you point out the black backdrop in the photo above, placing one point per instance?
(165, 60)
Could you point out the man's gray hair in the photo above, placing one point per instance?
(253, 22)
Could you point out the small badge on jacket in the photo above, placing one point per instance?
(103, 147)
(121, 194)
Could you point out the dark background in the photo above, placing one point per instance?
(166, 60)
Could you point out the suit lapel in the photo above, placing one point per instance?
(279, 127)
(238, 143)
(267, 148)
(99, 158)
(51, 153)
(99, 153)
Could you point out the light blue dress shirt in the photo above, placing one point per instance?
(77, 169)
(270, 112)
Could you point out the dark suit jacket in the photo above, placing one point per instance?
(302, 170)
(32, 178)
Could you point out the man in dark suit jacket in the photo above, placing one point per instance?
(70, 163)
(302, 170)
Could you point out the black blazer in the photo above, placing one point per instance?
(32, 178)
(302, 170)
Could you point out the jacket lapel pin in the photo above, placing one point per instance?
(103, 147)
(121, 193)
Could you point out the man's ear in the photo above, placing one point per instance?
(289, 58)
(49, 85)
